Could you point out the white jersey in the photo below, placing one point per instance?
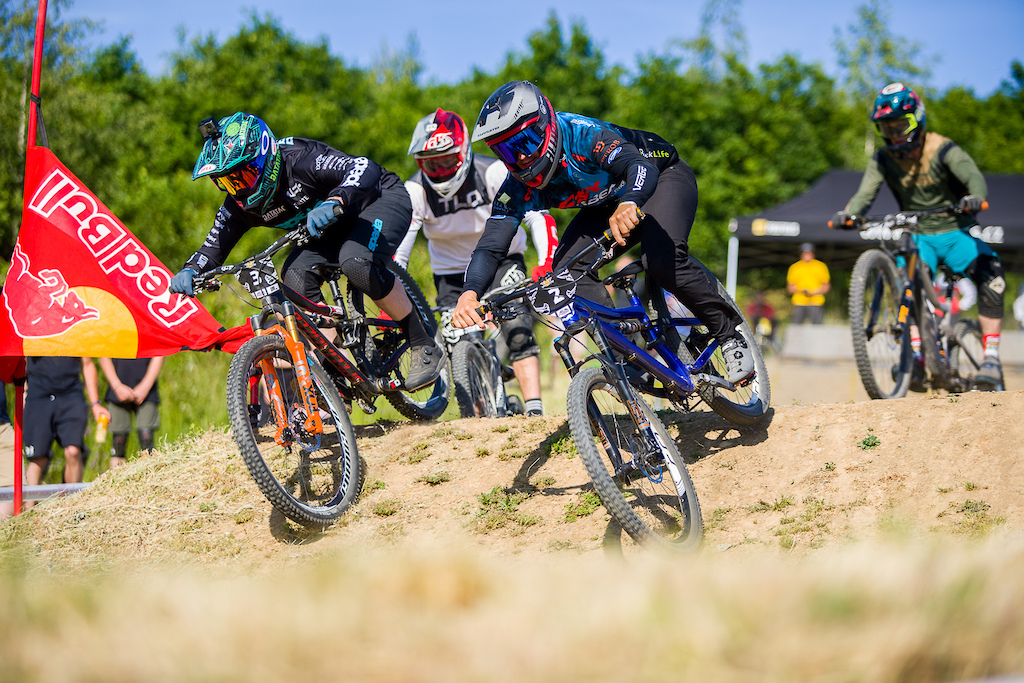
(453, 226)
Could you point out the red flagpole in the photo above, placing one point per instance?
(37, 68)
(30, 141)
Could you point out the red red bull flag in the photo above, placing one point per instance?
(81, 284)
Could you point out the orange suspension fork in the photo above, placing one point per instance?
(300, 364)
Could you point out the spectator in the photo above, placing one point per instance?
(134, 390)
(761, 316)
(6, 452)
(808, 282)
(54, 410)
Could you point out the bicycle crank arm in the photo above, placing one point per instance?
(713, 380)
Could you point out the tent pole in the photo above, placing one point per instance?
(730, 273)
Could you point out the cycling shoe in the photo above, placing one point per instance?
(425, 367)
(739, 361)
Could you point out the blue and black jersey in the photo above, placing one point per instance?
(601, 163)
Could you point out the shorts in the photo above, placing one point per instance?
(812, 314)
(53, 416)
(147, 417)
(518, 332)
(957, 249)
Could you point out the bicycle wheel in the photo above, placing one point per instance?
(745, 405)
(474, 379)
(881, 341)
(315, 477)
(637, 472)
(967, 352)
(386, 349)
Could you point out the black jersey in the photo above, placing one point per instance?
(313, 171)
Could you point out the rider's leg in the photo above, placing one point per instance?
(664, 233)
(987, 274)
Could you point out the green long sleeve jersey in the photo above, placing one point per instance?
(943, 174)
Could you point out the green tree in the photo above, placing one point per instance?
(872, 57)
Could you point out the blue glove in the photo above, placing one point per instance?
(182, 282)
(322, 216)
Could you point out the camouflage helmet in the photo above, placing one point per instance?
(242, 158)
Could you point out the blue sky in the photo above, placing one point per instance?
(975, 42)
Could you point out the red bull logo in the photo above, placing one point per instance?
(121, 256)
(41, 304)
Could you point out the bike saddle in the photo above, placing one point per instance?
(629, 271)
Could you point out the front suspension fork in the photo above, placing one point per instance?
(300, 364)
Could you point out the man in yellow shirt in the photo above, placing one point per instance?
(808, 282)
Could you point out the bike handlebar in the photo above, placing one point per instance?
(207, 281)
(901, 218)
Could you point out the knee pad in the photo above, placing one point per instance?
(305, 282)
(120, 445)
(987, 273)
(145, 440)
(518, 334)
(369, 277)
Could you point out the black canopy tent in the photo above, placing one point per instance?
(772, 237)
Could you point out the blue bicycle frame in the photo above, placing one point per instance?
(608, 327)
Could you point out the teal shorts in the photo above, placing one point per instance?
(957, 249)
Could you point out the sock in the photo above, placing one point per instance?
(991, 342)
(915, 346)
(414, 331)
(534, 406)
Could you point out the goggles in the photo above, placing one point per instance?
(440, 167)
(241, 179)
(523, 147)
(891, 128)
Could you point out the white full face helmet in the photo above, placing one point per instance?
(440, 145)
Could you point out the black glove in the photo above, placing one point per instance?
(972, 203)
(841, 221)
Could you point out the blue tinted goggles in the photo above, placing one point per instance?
(528, 143)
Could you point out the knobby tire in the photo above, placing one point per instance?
(474, 377)
(655, 503)
(881, 341)
(314, 481)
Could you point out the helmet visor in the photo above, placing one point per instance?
(892, 128)
(240, 180)
(522, 148)
(441, 167)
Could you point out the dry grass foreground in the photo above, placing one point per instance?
(877, 541)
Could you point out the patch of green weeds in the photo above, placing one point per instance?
(584, 505)
(870, 441)
(481, 452)
(829, 467)
(498, 510)
(435, 478)
(778, 505)
(387, 507)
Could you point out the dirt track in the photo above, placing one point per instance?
(808, 478)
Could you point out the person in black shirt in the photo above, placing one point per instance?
(356, 212)
(55, 411)
(133, 390)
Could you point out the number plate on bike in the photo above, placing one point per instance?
(259, 280)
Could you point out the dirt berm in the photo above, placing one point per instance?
(811, 477)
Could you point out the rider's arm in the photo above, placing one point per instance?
(228, 227)
(623, 160)
(544, 233)
(966, 171)
(353, 181)
(490, 250)
(870, 184)
(419, 208)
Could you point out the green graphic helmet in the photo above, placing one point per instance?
(241, 156)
